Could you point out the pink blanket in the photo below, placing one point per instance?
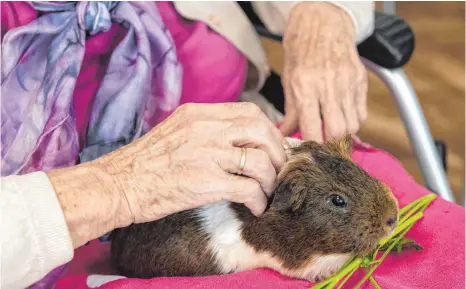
(441, 233)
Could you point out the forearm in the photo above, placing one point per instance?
(318, 33)
(321, 21)
(89, 199)
(276, 14)
(362, 15)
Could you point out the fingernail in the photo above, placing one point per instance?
(286, 144)
(259, 214)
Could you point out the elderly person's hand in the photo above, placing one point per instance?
(323, 76)
(191, 159)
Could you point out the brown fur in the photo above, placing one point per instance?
(300, 223)
(172, 246)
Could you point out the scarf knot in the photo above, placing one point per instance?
(94, 16)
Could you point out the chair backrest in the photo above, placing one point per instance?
(249, 11)
(389, 7)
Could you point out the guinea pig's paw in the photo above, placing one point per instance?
(325, 266)
(316, 278)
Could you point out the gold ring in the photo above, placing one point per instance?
(242, 161)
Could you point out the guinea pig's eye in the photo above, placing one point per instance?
(338, 201)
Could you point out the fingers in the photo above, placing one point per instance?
(254, 133)
(257, 166)
(259, 130)
(361, 99)
(335, 123)
(349, 112)
(308, 110)
(354, 104)
(310, 121)
(246, 191)
(230, 110)
(278, 136)
(290, 122)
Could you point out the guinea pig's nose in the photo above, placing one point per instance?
(391, 221)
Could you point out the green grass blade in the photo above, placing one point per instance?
(410, 208)
(347, 277)
(374, 283)
(419, 207)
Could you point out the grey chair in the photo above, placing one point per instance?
(384, 53)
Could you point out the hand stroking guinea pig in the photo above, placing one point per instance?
(325, 209)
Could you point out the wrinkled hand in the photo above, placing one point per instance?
(191, 159)
(323, 76)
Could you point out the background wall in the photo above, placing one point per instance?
(437, 71)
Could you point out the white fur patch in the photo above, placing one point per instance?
(234, 255)
(94, 281)
(231, 252)
(294, 142)
(325, 266)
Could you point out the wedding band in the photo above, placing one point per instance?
(242, 161)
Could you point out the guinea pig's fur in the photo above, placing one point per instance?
(302, 234)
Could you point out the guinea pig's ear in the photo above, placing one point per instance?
(343, 146)
(286, 198)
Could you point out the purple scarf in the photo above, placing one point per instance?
(41, 62)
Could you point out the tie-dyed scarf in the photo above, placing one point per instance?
(41, 62)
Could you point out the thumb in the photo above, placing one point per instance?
(290, 121)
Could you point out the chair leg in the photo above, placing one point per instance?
(417, 129)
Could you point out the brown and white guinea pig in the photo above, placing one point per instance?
(325, 209)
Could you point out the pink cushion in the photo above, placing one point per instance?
(213, 69)
(440, 232)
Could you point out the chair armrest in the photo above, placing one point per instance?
(392, 43)
(257, 22)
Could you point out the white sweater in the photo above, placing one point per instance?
(34, 235)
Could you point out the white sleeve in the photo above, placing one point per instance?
(34, 237)
(274, 14)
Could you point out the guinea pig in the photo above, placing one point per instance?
(324, 210)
